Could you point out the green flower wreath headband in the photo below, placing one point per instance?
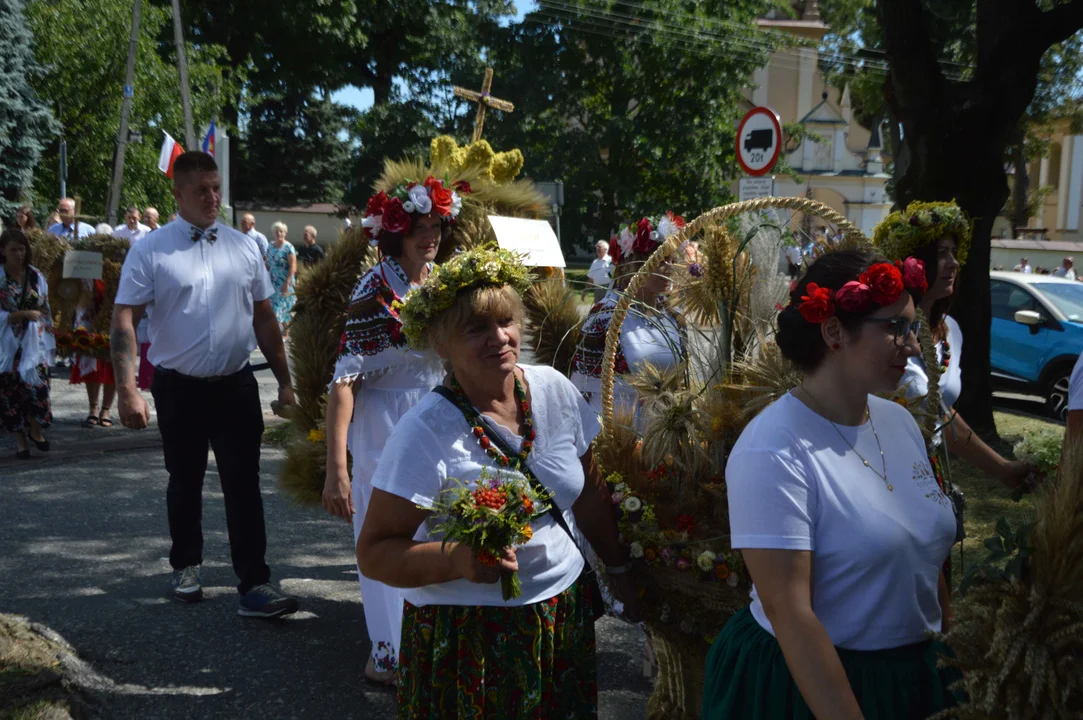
(902, 233)
(465, 271)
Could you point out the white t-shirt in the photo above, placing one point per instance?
(916, 380)
(1075, 386)
(1064, 272)
(794, 483)
(202, 296)
(601, 272)
(432, 444)
(1024, 269)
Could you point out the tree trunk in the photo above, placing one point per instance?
(955, 137)
(1021, 184)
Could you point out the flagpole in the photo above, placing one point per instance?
(125, 108)
(182, 66)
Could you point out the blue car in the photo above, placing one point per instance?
(1037, 334)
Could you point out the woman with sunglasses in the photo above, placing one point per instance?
(831, 497)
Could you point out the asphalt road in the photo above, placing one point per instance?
(83, 549)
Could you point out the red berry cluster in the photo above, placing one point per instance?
(493, 499)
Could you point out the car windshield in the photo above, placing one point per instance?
(1067, 298)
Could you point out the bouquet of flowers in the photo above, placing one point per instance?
(490, 516)
(1042, 450)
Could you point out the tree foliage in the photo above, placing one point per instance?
(82, 47)
(26, 125)
(632, 105)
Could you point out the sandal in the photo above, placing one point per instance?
(92, 421)
(103, 420)
(386, 678)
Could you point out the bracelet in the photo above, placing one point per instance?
(619, 569)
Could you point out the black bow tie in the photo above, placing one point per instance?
(210, 234)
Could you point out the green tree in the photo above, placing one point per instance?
(632, 104)
(296, 150)
(26, 125)
(82, 48)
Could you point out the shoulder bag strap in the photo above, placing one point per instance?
(496, 439)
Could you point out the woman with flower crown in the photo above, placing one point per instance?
(650, 333)
(467, 651)
(836, 512)
(378, 378)
(937, 235)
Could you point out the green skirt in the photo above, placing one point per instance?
(493, 663)
(747, 678)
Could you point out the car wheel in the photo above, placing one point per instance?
(1056, 393)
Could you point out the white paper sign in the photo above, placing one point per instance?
(83, 265)
(754, 188)
(534, 240)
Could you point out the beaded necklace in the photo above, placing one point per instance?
(482, 434)
(945, 358)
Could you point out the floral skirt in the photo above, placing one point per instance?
(747, 678)
(19, 402)
(489, 663)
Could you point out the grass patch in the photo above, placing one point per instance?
(987, 499)
(279, 434)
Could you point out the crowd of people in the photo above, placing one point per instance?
(1065, 270)
(26, 405)
(832, 493)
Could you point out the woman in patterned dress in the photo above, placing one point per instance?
(466, 651)
(377, 379)
(650, 332)
(282, 262)
(26, 345)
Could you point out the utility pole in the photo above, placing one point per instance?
(125, 108)
(182, 66)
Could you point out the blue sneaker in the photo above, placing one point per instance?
(186, 587)
(263, 601)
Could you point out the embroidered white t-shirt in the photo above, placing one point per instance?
(794, 483)
(433, 443)
(1075, 386)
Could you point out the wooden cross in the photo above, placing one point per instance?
(484, 99)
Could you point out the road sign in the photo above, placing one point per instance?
(753, 188)
(759, 141)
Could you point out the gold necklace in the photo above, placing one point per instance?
(868, 414)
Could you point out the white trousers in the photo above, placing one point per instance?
(382, 603)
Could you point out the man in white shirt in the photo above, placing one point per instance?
(131, 229)
(68, 227)
(600, 274)
(211, 299)
(1023, 267)
(151, 216)
(794, 256)
(1066, 269)
(248, 227)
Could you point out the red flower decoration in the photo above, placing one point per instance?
(677, 219)
(431, 182)
(643, 243)
(441, 199)
(853, 296)
(817, 306)
(462, 187)
(377, 204)
(686, 523)
(396, 219)
(913, 274)
(614, 250)
(885, 283)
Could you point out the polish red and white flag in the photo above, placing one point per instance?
(171, 150)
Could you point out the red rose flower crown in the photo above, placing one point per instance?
(395, 211)
(644, 236)
(881, 284)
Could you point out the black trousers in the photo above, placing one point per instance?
(225, 415)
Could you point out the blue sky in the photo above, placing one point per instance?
(361, 98)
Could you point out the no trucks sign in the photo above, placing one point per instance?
(759, 141)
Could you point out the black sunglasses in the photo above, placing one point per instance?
(899, 327)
